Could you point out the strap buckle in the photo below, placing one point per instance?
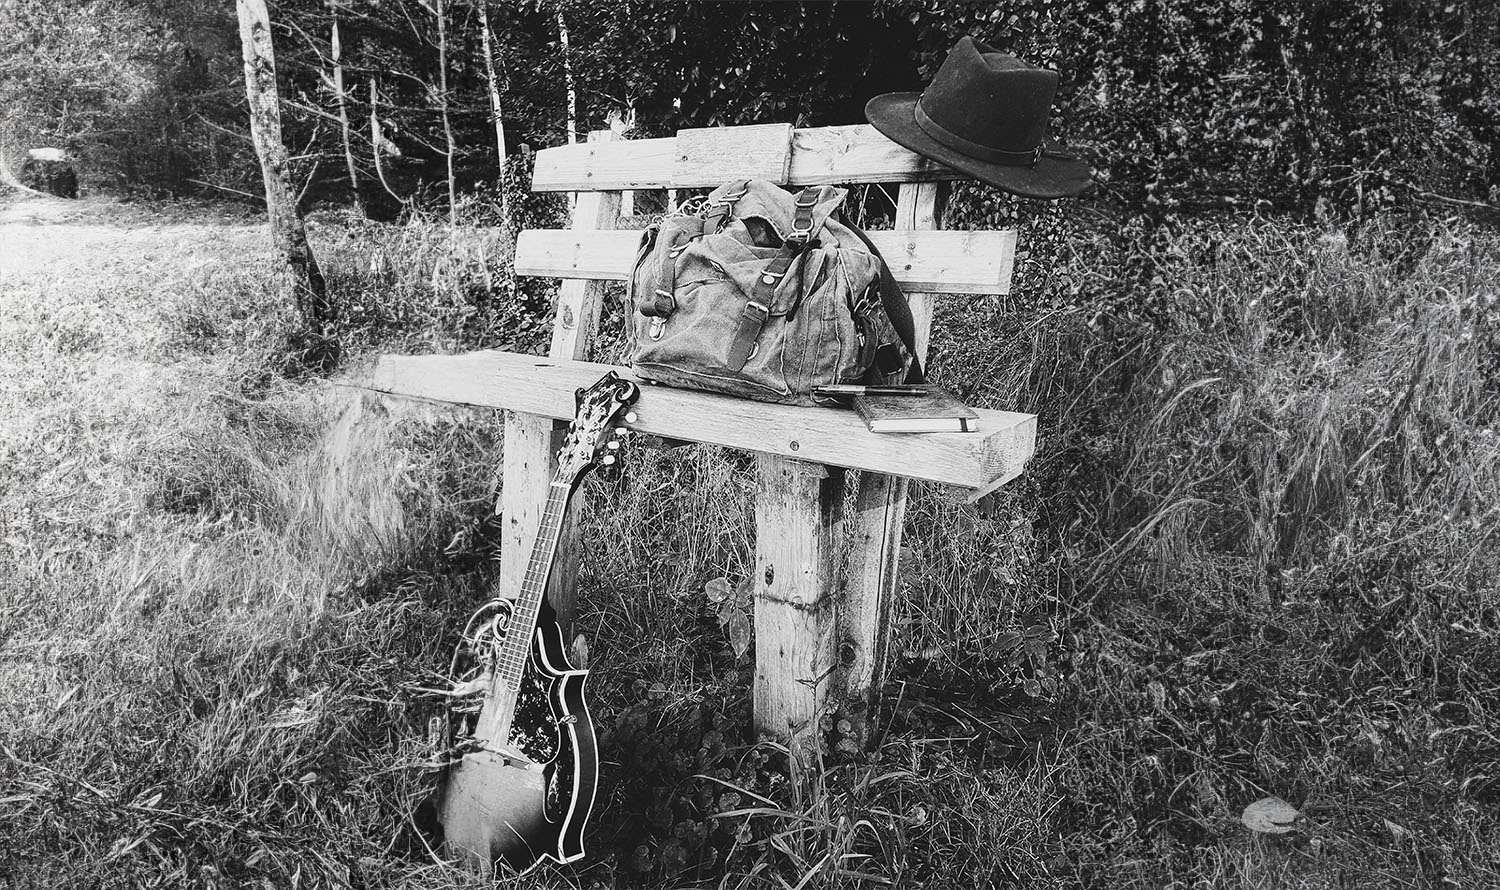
(802, 221)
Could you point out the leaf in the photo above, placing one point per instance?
(739, 633)
(718, 590)
(1270, 815)
(1009, 641)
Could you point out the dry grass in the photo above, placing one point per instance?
(1253, 557)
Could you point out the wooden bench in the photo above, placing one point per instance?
(821, 625)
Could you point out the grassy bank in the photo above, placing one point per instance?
(1254, 557)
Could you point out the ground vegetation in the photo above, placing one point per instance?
(1253, 559)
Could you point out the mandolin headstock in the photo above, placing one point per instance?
(600, 409)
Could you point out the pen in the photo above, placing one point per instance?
(848, 389)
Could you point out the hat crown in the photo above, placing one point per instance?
(990, 98)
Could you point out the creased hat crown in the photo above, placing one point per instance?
(989, 98)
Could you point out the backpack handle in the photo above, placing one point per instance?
(720, 212)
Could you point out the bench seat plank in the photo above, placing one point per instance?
(538, 385)
(927, 262)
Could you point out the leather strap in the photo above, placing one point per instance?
(722, 211)
(758, 308)
(662, 302)
(643, 250)
(897, 310)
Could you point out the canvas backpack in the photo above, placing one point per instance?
(764, 295)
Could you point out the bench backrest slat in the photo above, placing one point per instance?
(708, 157)
(976, 262)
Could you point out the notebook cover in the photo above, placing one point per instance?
(935, 411)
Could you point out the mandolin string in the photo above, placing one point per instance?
(516, 645)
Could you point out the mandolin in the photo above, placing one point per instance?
(524, 787)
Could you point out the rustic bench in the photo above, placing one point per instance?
(821, 626)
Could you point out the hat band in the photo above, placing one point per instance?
(973, 149)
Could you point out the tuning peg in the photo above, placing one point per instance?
(609, 460)
(630, 417)
(613, 445)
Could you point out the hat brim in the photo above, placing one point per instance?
(1050, 177)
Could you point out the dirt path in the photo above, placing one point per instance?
(58, 235)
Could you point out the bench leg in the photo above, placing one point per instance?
(528, 462)
(869, 591)
(866, 599)
(798, 518)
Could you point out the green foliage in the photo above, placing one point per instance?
(1183, 105)
(138, 92)
(1195, 105)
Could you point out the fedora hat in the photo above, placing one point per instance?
(985, 114)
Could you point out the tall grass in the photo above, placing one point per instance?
(1253, 557)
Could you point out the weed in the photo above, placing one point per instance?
(1253, 558)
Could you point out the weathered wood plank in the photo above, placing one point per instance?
(820, 155)
(574, 324)
(715, 155)
(797, 520)
(626, 164)
(874, 527)
(924, 262)
(544, 386)
(858, 153)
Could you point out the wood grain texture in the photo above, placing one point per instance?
(712, 156)
(533, 385)
(874, 527)
(797, 520)
(820, 155)
(578, 301)
(858, 153)
(923, 262)
(575, 322)
(587, 166)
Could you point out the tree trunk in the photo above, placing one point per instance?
(489, 71)
(288, 232)
(343, 99)
(442, 17)
(562, 33)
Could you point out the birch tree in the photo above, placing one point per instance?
(487, 44)
(288, 232)
(562, 35)
(451, 148)
(342, 98)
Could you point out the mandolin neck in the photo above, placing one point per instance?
(528, 603)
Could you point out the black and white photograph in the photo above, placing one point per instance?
(750, 444)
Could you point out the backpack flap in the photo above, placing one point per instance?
(797, 230)
(759, 200)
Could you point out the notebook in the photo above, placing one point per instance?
(934, 411)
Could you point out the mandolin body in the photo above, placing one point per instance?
(530, 799)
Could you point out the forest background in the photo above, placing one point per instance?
(1254, 557)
